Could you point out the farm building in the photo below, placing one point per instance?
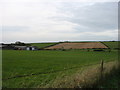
(80, 45)
(25, 48)
(31, 48)
(20, 47)
(0, 46)
(6, 46)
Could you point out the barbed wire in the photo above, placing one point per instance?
(49, 72)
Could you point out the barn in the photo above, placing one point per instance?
(20, 47)
(78, 45)
(25, 48)
(6, 47)
(31, 48)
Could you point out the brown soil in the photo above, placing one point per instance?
(81, 45)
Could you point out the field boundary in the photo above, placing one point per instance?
(50, 45)
(71, 45)
(105, 45)
(55, 71)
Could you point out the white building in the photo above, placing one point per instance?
(31, 48)
(26, 48)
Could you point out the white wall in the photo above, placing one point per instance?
(27, 48)
(33, 48)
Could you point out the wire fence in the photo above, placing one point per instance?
(55, 71)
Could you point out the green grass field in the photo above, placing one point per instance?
(42, 45)
(111, 82)
(29, 62)
(112, 45)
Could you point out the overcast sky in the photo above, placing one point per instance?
(58, 20)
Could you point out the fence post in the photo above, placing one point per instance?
(109, 49)
(101, 71)
(88, 50)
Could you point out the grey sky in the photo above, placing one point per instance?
(42, 20)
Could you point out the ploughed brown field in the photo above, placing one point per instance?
(80, 45)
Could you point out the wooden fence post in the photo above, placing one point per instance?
(101, 71)
(109, 50)
(88, 50)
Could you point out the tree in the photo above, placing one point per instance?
(19, 43)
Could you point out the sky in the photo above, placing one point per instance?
(58, 20)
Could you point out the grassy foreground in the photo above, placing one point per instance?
(16, 63)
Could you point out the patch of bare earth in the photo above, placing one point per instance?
(81, 45)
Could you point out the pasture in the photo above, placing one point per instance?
(66, 63)
(42, 45)
(112, 45)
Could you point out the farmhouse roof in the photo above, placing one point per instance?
(3, 45)
(20, 46)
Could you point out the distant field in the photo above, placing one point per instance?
(80, 45)
(17, 63)
(112, 45)
(42, 45)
